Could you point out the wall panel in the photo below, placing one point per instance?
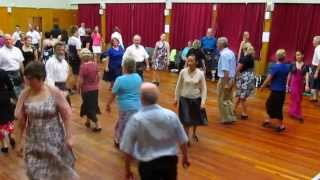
(23, 16)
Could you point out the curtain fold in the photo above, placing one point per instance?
(293, 28)
(89, 14)
(119, 15)
(189, 21)
(234, 19)
(144, 19)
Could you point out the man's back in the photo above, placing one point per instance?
(153, 132)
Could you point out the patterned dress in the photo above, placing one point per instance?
(161, 57)
(246, 80)
(46, 154)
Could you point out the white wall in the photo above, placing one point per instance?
(54, 4)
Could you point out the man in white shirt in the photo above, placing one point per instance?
(11, 60)
(57, 69)
(139, 54)
(116, 34)
(36, 37)
(16, 35)
(315, 85)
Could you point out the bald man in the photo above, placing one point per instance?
(11, 60)
(139, 54)
(152, 136)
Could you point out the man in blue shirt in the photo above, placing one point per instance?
(152, 136)
(209, 47)
(226, 72)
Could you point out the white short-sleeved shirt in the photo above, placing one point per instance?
(82, 31)
(36, 37)
(57, 71)
(16, 36)
(75, 41)
(139, 54)
(316, 56)
(10, 58)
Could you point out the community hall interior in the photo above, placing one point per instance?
(160, 89)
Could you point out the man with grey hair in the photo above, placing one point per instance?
(11, 60)
(152, 136)
(315, 76)
(226, 73)
(139, 54)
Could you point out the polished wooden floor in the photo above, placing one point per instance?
(241, 151)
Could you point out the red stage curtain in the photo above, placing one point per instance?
(234, 19)
(189, 22)
(293, 28)
(146, 20)
(89, 14)
(119, 15)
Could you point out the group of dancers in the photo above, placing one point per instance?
(43, 108)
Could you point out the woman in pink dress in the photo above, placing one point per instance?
(296, 85)
(96, 43)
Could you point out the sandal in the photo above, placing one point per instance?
(280, 129)
(195, 138)
(5, 150)
(266, 124)
(244, 117)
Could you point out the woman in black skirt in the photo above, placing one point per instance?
(88, 86)
(278, 80)
(191, 95)
(6, 111)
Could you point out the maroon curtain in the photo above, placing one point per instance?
(234, 19)
(293, 28)
(189, 22)
(146, 20)
(119, 15)
(89, 14)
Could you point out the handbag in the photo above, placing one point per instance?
(204, 117)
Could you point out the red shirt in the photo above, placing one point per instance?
(89, 75)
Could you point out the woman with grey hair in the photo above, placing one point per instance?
(127, 90)
(88, 85)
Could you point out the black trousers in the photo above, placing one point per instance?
(274, 104)
(163, 168)
(63, 87)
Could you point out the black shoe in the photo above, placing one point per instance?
(116, 144)
(12, 143)
(242, 117)
(266, 124)
(5, 150)
(97, 129)
(156, 83)
(301, 120)
(280, 129)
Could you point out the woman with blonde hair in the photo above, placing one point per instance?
(88, 86)
(278, 80)
(245, 79)
(245, 40)
(160, 58)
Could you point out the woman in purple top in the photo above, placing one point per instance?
(296, 85)
(278, 80)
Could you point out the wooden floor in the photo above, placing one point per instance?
(244, 150)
